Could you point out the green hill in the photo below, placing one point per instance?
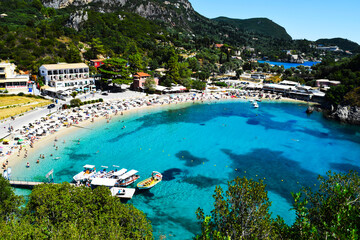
(262, 26)
(342, 43)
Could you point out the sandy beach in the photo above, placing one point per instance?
(104, 113)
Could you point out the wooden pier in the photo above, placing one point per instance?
(24, 184)
(126, 193)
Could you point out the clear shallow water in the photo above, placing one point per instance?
(289, 65)
(199, 146)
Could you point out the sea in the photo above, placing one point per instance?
(289, 65)
(199, 146)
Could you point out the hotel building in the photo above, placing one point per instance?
(67, 76)
(10, 80)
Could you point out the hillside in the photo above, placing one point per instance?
(342, 43)
(261, 26)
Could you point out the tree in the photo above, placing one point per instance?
(73, 54)
(97, 48)
(136, 62)
(150, 85)
(9, 202)
(62, 211)
(74, 94)
(75, 102)
(333, 211)
(239, 72)
(198, 85)
(241, 213)
(115, 69)
(173, 68)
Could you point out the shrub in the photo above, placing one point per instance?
(21, 94)
(92, 101)
(101, 100)
(76, 102)
(221, 84)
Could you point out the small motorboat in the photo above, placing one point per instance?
(255, 105)
(150, 182)
(89, 170)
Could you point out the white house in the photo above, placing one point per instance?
(10, 80)
(64, 76)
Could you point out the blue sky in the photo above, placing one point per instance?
(310, 19)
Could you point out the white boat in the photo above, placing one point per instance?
(108, 179)
(127, 178)
(89, 170)
(107, 182)
(255, 105)
(119, 179)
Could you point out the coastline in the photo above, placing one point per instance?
(15, 160)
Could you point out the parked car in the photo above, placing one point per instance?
(51, 106)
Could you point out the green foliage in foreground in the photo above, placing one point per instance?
(63, 211)
(332, 211)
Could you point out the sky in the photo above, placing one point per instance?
(309, 19)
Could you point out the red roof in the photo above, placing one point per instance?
(97, 60)
(219, 45)
(141, 74)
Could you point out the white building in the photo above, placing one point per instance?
(330, 48)
(10, 80)
(258, 76)
(64, 76)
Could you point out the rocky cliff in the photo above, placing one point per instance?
(346, 114)
(173, 12)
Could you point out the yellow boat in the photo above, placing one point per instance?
(148, 183)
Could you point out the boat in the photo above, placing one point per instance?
(89, 170)
(150, 182)
(127, 178)
(255, 105)
(108, 179)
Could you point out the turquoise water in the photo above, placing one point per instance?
(199, 146)
(289, 65)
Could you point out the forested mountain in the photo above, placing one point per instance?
(261, 26)
(342, 43)
(36, 32)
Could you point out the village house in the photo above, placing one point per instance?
(325, 83)
(96, 62)
(66, 76)
(10, 80)
(139, 80)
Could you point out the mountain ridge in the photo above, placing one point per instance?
(342, 43)
(263, 26)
